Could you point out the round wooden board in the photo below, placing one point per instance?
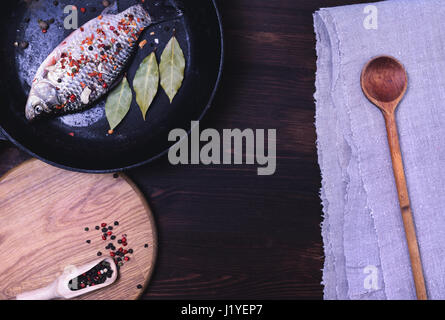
(44, 212)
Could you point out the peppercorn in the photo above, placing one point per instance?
(110, 228)
(146, 245)
(87, 229)
(97, 227)
(99, 253)
(139, 286)
(88, 241)
(104, 230)
(130, 250)
(115, 222)
(113, 237)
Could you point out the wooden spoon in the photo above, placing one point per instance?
(60, 287)
(384, 82)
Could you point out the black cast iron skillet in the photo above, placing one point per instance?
(69, 142)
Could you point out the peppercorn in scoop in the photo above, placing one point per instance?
(87, 63)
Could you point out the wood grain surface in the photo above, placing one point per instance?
(224, 232)
(44, 213)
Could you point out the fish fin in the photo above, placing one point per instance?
(111, 9)
(50, 68)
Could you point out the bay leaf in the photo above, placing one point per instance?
(118, 103)
(172, 68)
(146, 82)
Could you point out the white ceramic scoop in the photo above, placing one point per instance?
(67, 287)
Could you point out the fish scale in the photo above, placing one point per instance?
(87, 63)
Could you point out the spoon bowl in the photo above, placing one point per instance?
(384, 82)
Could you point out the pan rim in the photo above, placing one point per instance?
(4, 134)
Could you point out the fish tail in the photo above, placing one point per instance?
(158, 13)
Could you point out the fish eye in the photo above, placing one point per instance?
(38, 109)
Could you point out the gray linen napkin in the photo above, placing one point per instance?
(362, 229)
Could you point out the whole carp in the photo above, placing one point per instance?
(87, 63)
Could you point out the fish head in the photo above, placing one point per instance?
(42, 100)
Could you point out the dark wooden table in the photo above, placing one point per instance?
(224, 232)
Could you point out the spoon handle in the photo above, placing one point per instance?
(405, 207)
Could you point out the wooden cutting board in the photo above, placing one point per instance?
(44, 212)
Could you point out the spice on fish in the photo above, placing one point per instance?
(142, 43)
